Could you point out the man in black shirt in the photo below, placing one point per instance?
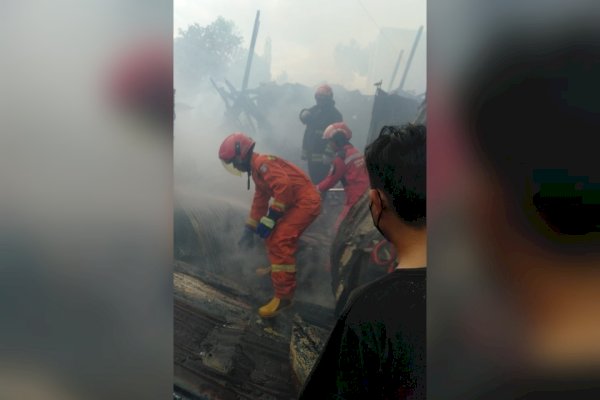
(377, 347)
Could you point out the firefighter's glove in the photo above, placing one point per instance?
(265, 227)
(304, 116)
(247, 239)
(267, 223)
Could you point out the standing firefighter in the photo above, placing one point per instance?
(295, 205)
(348, 166)
(316, 119)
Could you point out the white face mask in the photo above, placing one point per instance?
(231, 169)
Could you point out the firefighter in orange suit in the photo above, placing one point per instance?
(348, 166)
(285, 204)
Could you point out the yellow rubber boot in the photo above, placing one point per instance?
(273, 307)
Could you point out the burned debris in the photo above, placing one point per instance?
(223, 349)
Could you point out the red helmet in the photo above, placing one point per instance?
(236, 144)
(324, 91)
(340, 127)
(234, 150)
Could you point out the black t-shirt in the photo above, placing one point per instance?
(377, 347)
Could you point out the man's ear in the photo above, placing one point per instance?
(375, 200)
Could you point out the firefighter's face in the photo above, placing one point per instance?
(322, 100)
(241, 165)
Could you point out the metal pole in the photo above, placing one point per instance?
(412, 53)
(251, 51)
(396, 69)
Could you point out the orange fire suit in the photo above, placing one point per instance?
(295, 196)
(349, 167)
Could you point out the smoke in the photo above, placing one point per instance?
(305, 35)
(212, 205)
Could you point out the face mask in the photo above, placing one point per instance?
(240, 165)
(376, 223)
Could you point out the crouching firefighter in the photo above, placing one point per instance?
(294, 205)
(348, 166)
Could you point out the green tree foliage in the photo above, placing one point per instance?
(202, 51)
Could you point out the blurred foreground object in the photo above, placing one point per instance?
(141, 81)
(530, 327)
(86, 241)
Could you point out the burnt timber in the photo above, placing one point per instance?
(223, 350)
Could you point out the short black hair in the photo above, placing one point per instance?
(532, 114)
(396, 162)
